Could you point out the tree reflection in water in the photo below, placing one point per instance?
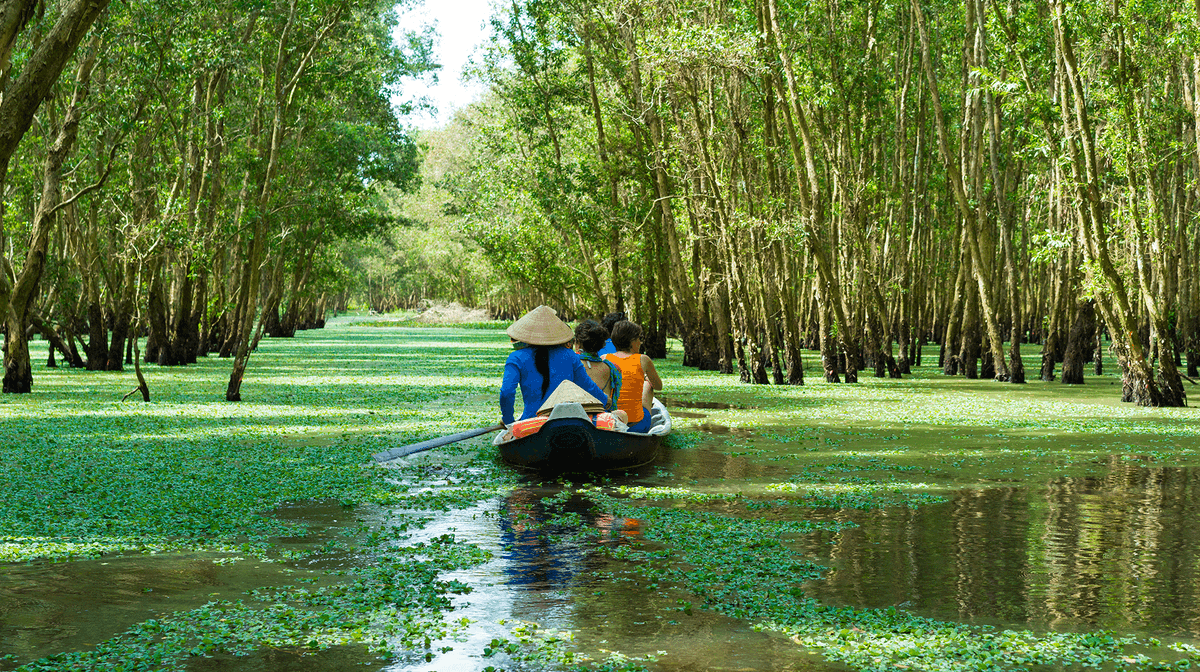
(1118, 551)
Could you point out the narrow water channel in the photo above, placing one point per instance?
(550, 568)
(1115, 552)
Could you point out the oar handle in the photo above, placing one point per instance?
(402, 451)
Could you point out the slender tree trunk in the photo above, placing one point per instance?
(1054, 343)
(285, 85)
(951, 345)
(121, 319)
(811, 195)
(1139, 384)
(18, 373)
(966, 209)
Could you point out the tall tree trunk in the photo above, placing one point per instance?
(811, 196)
(285, 85)
(18, 373)
(1138, 380)
(965, 207)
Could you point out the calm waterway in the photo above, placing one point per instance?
(1115, 549)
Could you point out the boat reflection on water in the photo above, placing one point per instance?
(557, 572)
(554, 542)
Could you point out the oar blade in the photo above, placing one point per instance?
(411, 449)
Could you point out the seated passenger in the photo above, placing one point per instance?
(541, 361)
(639, 378)
(589, 339)
(607, 322)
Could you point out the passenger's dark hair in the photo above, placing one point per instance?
(590, 336)
(624, 333)
(541, 362)
(611, 319)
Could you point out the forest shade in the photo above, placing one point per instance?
(755, 178)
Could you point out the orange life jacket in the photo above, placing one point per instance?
(524, 428)
(632, 377)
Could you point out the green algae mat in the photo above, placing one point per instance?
(926, 523)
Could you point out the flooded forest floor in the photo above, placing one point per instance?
(929, 523)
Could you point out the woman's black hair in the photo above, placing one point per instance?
(624, 333)
(541, 361)
(610, 319)
(590, 336)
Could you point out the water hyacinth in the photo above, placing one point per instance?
(733, 520)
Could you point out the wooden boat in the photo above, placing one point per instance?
(569, 442)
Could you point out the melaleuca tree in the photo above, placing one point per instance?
(328, 58)
(978, 174)
(214, 135)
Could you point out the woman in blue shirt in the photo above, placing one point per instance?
(539, 363)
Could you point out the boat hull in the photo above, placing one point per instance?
(571, 444)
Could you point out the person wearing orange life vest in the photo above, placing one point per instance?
(639, 378)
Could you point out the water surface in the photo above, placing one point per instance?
(1105, 543)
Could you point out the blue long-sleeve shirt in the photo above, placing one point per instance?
(520, 371)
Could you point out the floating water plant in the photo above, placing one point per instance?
(737, 534)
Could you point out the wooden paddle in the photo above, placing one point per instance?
(402, 451)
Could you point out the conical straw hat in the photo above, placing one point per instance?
(541, 326)
(568, 391)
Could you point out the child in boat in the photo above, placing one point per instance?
(539, 363)
(608, 322)
(590, 337)
(639, 378)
